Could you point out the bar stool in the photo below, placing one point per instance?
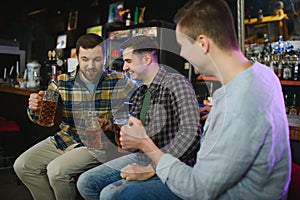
(7, 129)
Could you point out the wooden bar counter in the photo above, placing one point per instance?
(14, 103)
(294, 125)
(11, 90)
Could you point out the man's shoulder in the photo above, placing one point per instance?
(176, 78)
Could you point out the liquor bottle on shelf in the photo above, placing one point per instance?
(293, 108)
(287, 108)
(128, 20)
(287, 69)
(279, 67)
(296, 69)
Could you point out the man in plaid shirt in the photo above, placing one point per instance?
(48, 168)
(172, 122)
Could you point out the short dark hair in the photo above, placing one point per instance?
(89, 41)
(140, 43)
(210, 17)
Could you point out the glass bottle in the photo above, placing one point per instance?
(296, 69)
(293, 108)
(287, 108)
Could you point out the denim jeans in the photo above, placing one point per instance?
(152, 189)
(91, 182)
(104, 182)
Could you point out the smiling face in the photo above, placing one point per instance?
(134, 64)
(90, 63)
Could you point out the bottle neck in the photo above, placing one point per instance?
(53, 72)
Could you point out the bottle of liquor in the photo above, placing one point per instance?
(287, 69)
(279, 69)
(296, 69)
(287, 108)
(260, 15)
(293, 108)
(53, 77)
(128, 20)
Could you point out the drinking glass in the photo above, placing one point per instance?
(48, 108)
(93, 133)
(119, 121)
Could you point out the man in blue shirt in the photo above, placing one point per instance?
(245, 149)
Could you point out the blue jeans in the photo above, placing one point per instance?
(91, 182)
(152, 189)
(104, 182)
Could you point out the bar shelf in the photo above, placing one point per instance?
(290, 83)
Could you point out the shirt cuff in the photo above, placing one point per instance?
(164, 166)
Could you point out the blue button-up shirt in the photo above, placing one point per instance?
(245, 150)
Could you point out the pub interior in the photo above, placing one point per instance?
(36, 36)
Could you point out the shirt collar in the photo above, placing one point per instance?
(157, 79)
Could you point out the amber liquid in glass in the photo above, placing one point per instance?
(47, 114)
(117, 134)
(117, 129)
(93, 138)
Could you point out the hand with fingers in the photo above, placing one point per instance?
(136, 172)
(35, 100)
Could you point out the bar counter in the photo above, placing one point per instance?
(18, 91)
(294, 124)
(14, 103)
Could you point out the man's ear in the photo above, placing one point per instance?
(147, 58)
(202, 41)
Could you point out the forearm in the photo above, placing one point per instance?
(151, 150)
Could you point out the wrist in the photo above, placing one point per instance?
(151, 150)
(147, 145)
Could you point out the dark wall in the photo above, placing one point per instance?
(37, 32)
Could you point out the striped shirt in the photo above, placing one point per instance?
(172, 120)
(78, 102)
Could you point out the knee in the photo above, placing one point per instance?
(85, 186)
(83, 181)
(55, 171)
(19, 166)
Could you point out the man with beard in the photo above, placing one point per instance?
(48, 168)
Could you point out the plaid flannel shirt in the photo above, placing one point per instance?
(77, 102)
(172, 120)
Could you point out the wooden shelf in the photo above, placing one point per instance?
(206, 78)
(290, 82)
(283, 82)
